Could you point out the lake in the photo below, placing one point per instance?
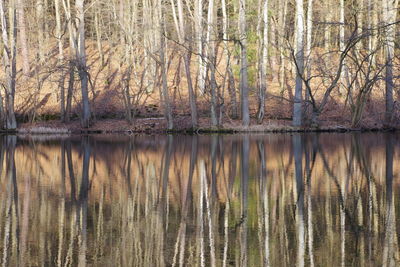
(211, 200)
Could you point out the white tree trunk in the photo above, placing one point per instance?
(81, 62)
(9, 35)
(210, 45)
(309, 40)
(244, 87)
(40, 29)
(60, 57)
(231, 84)
(263, 61)
(201, 79)
(23, 38)
(299, 57)
(165, 93)
(389, 18)
(342, 45)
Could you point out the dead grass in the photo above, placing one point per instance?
(43, 130)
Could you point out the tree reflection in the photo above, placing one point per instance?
(251, 200)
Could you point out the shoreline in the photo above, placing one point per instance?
(157, 126)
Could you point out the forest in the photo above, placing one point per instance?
(190, 64)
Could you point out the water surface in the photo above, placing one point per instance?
(232, 200)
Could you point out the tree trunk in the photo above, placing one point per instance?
(299, 57)
(342, 45)
(201, 79)
(23, 38)
(60, 58)
(165, 93)
(70, 92)
(309, 41)
(231, 80)
(81, 62)
(9, 35)
(389, 18)
(244, 87)
(210, 44)
(192, 96)
(40, 29)
(263, 62)
(327, 27)
(282, 25)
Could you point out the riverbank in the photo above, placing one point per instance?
(182, 125)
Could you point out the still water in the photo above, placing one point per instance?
(232, 200)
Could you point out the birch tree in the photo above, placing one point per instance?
(60, 57)
(23, 37)
(40, 20)
(309, 40)
(299, 58)
(227, 54)
(81, 62)
(342, 45)
(389, 18)
(210, 45)
(162, 47)
(263, 37)
(201, 78)
(9, 36)
(244, 87)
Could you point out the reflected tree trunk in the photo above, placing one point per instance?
(264, 229)
(83, 204)
(244, 200)
(71, 170)
(298, 158)
(389, 249)
(11, 202)
(61, 209)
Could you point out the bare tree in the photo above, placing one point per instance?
(262, 69)
(9, 35)
(23, 37)
(389, 18)
(227, 53)
(81, 62)
(165, 94)
(244, 86)
(298, 95)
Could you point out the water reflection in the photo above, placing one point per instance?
(259, 200)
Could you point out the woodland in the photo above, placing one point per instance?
(190, 64)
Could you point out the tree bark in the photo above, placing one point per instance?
(60, 58)
(9, 35)
(165, 93)
(299, 57)
(81, 62)
(23, 38)
(40, 29)
(244, 87)
(201, 79)
(210, 44)
(389, 18)
(263, 62)
(309, 41)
